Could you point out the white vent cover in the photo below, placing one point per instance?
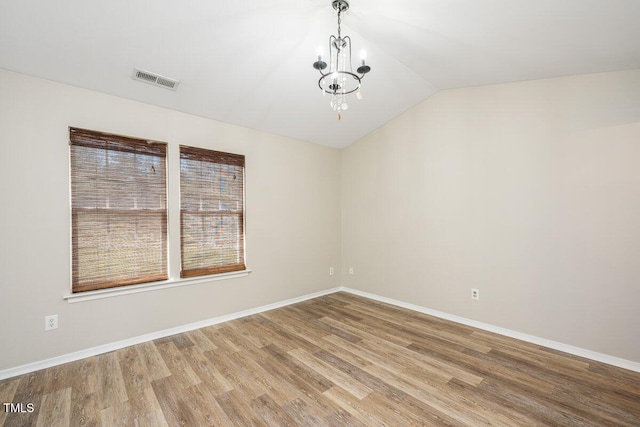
(155, 79)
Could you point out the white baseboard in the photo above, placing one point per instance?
(94, 351)
(576, 351)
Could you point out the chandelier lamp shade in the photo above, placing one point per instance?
(337, 77)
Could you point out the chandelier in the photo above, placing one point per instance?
(340, 80)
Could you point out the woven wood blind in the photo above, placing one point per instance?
(118, 210)
(211, 211)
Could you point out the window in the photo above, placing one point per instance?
(118, 210)
(211, 212)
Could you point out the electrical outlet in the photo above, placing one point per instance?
(475, 294)
(331, 271)
(351, 271)
(51, 322)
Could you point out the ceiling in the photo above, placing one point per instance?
(248, 62)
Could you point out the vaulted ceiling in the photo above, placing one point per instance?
(248, 62)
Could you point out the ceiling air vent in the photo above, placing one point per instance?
(155, 79)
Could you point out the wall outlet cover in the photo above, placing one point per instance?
(51, 322)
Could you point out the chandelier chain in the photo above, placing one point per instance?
(339, 22)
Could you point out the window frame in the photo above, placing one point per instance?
(217, 158)
(111, 142)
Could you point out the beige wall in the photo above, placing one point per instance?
(528, 191)
(293, 220)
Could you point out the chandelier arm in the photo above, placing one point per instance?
(332, 64)
(336, 64)
(336, 67)
(350, 66)
(357, 78)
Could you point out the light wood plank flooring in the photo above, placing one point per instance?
(331, 361)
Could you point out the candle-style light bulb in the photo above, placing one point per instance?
(320, 53)
(363, 56)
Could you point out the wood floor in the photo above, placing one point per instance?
(335, 360)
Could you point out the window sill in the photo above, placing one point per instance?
(146, 287)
